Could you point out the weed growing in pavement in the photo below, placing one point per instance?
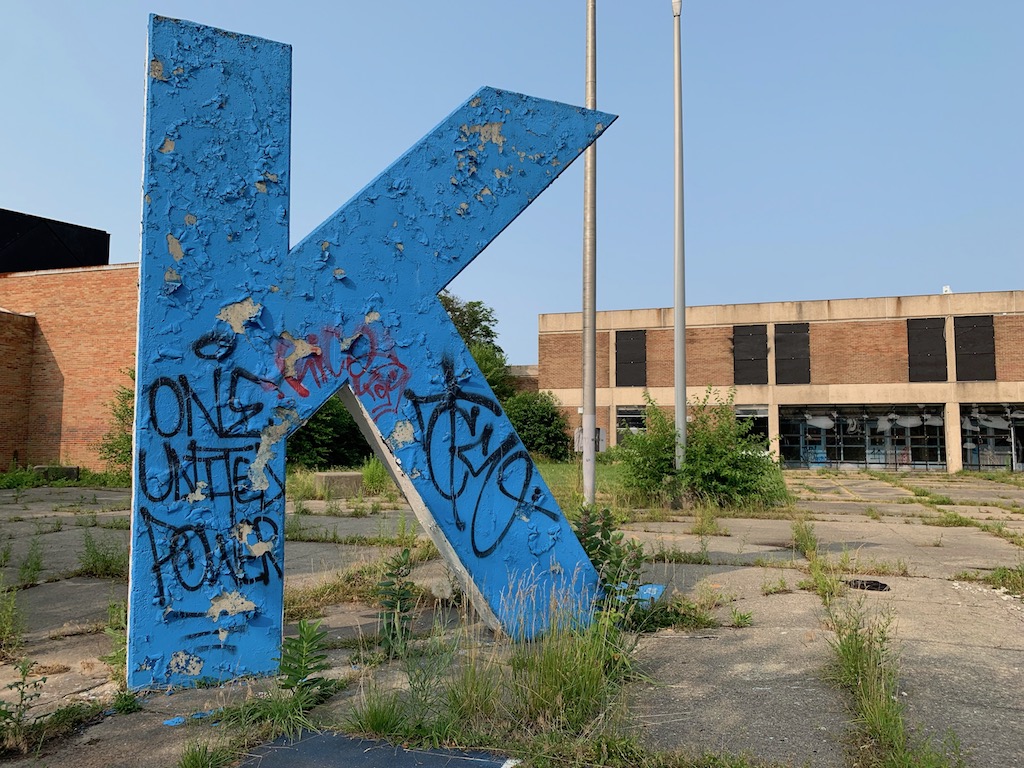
(12, 623)
(201, 754)
(32, 565)
(804, 539)
(865, 663)
(303, 657)
(823, 580)
(376, 480)
(55, 526)
(774, 587)
(103, 559)
(14, 721)
(741, 618)
(117, 630)
(706, 523)
(125, 702)
(949, 520)
(1010, 579)
(355, 583)
(283, 711)
(5, 555)
(398, 597)
(680, 556)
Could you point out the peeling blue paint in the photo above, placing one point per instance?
(242, 339)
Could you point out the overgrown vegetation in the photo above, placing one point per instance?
(540, 423)
(648, 457)
(724, 463)
(865, 663)
(398, 597)
(115, 447)
(103, 558)
(376, 479)
(32, 565)
(12, 623)
(15, 725)
(117, 630)
(281, 711)
(331, 438)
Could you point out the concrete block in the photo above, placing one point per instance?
(338, 485)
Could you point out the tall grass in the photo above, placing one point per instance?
(12, 623)
(866, 664)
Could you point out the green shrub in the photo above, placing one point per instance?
(648, 457)
(725, 464)
(115, 447)
(540, 423)
(618, 562)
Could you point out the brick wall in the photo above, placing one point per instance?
(859, 352)
(85, 336)
(561, 360)
(660, 358)
(709, 357)
(1009, 338)
(17, 333)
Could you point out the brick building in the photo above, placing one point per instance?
(66, 338)
(921, 382)
(887, 383)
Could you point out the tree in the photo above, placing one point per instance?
(474, 320)
(331, 438)
(540, 423)
(494, 366)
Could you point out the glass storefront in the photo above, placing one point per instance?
(993, 436)
(863, 436)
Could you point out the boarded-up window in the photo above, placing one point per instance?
(792, 353)
(750, 354)
(631, 359)
(926, 347)
(975, 348)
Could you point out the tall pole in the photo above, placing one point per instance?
(590, 273)
(680, 251)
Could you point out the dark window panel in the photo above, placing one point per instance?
(792, 353)
(975, 348)
(750, 354)
(926, 348)
(631, 359)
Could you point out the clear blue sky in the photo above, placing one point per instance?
(833, 149)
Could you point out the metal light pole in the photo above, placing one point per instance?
(590, 273)
(680, 251)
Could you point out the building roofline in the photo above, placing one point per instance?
(97, 268)
(817, 310)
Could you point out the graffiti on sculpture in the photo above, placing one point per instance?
(242, 338)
